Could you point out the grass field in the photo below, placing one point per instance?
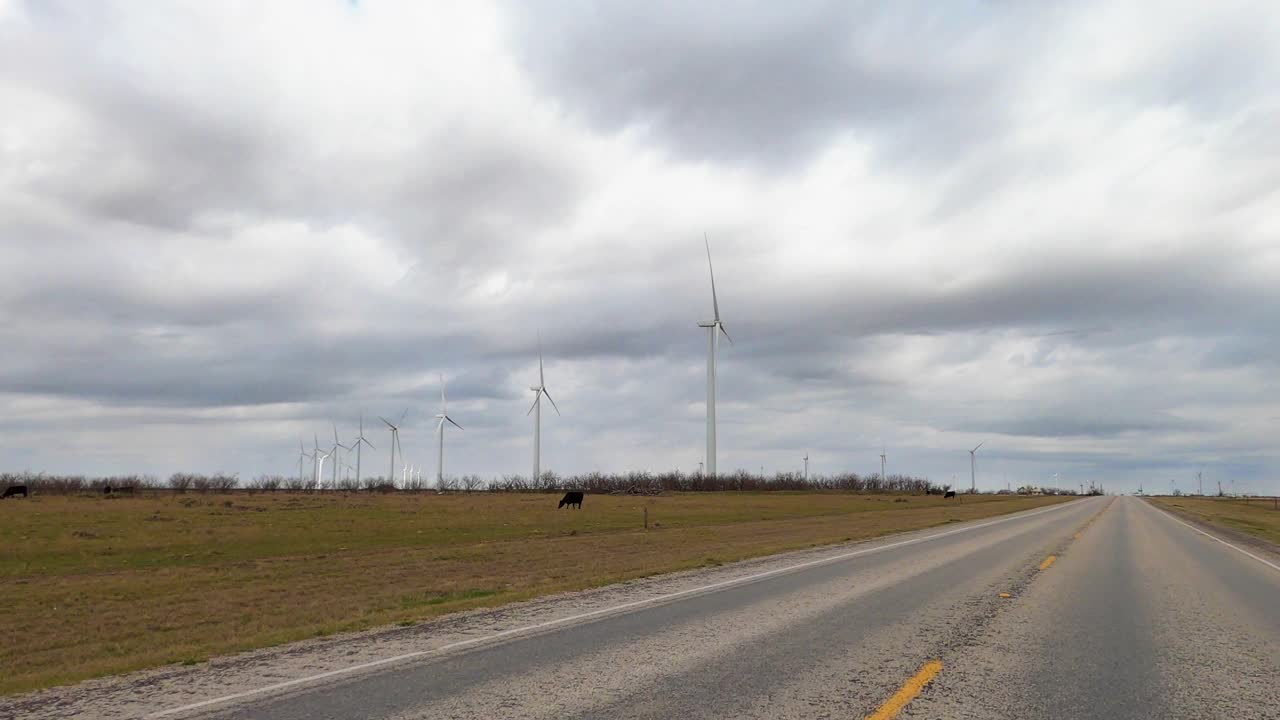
(95, 586)
(1256, 516)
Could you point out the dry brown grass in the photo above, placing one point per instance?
(97, 586)
(1255, 516)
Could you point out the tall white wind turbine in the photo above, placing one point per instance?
(337, 457)
(538, 391)
(361, 439)
(714, 328)
(973, 467)
(318, 465)
(443, 416)
(883, 477)
(395, 444)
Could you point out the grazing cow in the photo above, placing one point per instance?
(571, 498)
(106, 489)
(949, 494)
(15, 491)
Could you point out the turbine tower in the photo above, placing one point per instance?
(302, 454)
(973, 468)
(538, 391)
(714, 328)
(443, 416)
(883, 477)
(806, 467)
(318, 464)
(361, 439)
(395, 444)
(336, 457)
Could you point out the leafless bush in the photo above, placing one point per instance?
(181, 482)
(266, 483)
(471, 483)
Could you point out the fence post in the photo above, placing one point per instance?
(646, 517)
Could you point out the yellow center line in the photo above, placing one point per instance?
(909, 691)
(1047, 562)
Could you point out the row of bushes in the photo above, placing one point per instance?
(633, 482)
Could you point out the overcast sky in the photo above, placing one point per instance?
(1050, 227)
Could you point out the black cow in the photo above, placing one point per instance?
(571, 498)
(15, 491)
(950, 494)
(106, 489)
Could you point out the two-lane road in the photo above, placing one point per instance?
(1135, 615)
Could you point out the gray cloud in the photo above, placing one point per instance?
(760, 83)
(206, 255)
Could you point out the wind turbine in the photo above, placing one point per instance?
(361, 439)
(883, 477)
(806, 467)
(395, 444)
(336, 457)
(318, 465)
(973, 467)
(443, 416)
(538, 391)
(714, 328)
(302, 454)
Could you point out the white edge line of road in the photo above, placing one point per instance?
(603, 611)
(1240, 550)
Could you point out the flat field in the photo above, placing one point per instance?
(95, 586)
(1255, 516)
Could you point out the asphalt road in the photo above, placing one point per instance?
(1137, 616)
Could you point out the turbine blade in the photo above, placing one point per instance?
(388, 422)
(444, 403)
(403, 415)
(975, 449)
(534, 405)
(726, 334)
(715, 302)
(541, 380)
(335, 434)
(366, 442)
(553, 402)
(454, 423)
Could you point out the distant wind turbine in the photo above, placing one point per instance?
(302, 455)
(336, 457)
(973, 467)
(714, 328)
(883, 478)
(538, 391)
(318, 465)
(806, 467)
(361, 439)
(395, 444)
(443, 416)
